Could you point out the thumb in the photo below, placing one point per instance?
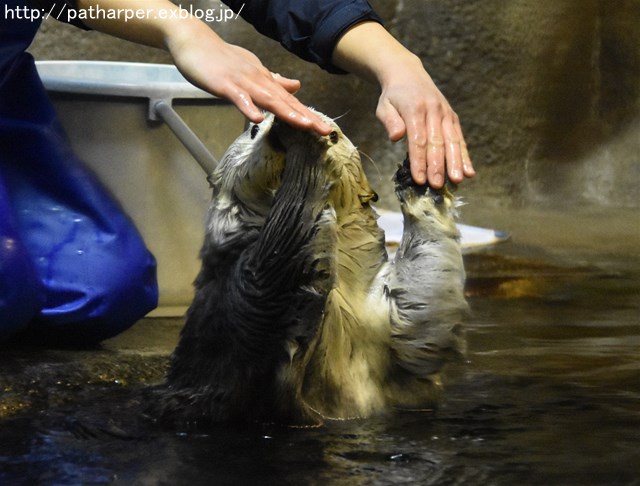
(391, 120)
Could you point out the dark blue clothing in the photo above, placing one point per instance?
(308, 28)
(73, 268)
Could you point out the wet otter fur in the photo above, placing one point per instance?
(298, 315)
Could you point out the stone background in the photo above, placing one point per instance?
(548, 92)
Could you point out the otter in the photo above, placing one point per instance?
(298, 315)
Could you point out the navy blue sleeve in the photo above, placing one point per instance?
(308, 28)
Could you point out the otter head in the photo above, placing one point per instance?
(350, 188)
(249, 172)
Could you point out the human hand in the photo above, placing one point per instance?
(236, 74)
(208, 62)
(411, 105)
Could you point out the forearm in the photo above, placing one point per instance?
(410, 104)
(205, 59)
(156, 25)
(370, 52)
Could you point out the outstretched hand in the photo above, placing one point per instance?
(238, 75)
(209, 62)
(410, 105)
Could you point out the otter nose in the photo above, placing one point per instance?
(274, 135)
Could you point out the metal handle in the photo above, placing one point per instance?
(165, 112)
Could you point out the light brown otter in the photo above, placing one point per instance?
(298, 315)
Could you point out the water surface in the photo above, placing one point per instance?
(550, 394)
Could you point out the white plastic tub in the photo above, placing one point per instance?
(107, 109)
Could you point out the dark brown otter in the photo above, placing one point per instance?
(298, 316)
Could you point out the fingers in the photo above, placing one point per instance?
(236, 74)
(240, 77)
(467, 165)
(253, 101)
(435, 150)
(435, 141)
(258, 89)
(245, 104)
(291, 85)
(452, 148)
(273, 93)
(417, 138)
(289, 109)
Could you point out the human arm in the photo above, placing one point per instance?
(208, 61)
(347, 35)
(410, 103)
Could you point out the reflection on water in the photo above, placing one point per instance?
(550, 395)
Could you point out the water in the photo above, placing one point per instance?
(550, 395)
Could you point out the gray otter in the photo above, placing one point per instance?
(298, 316)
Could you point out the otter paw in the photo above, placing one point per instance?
(405, 184)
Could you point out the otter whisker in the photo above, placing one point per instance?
(340, 116)
(373, 163)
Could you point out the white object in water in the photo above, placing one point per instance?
(472, 237)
